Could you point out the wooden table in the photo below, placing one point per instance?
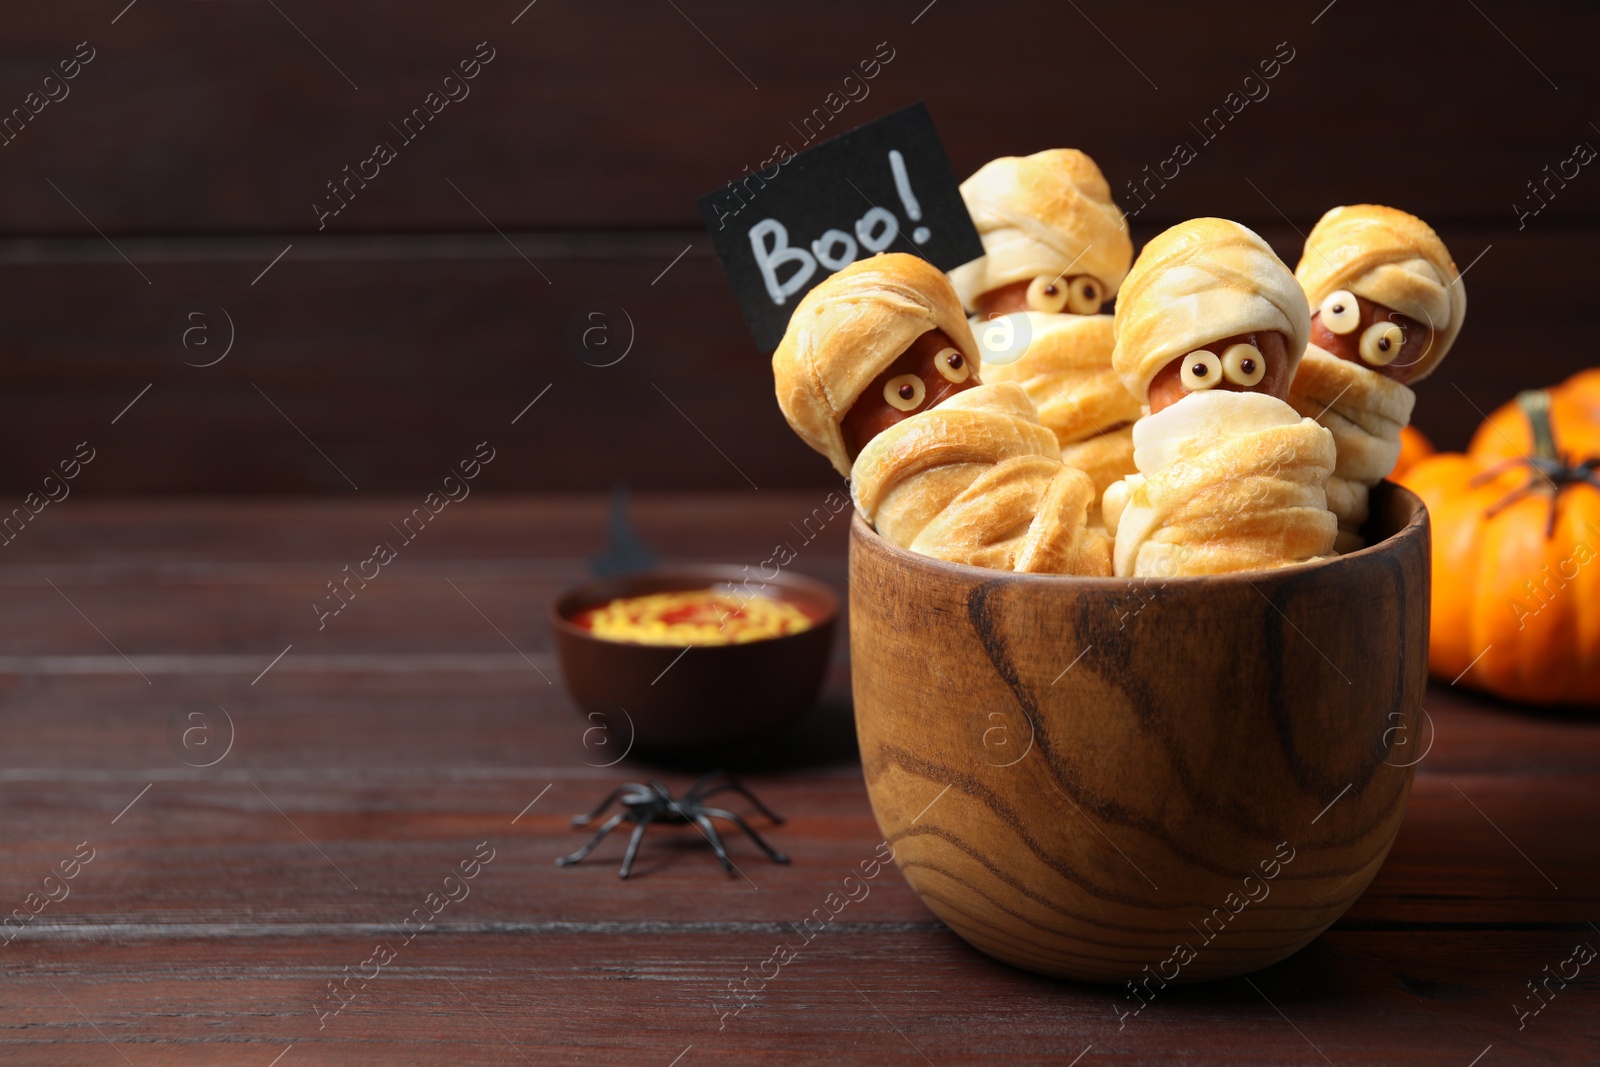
(426, 724)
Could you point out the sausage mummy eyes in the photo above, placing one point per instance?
(1084, 296)
(1047, 294)
(1339, 312)
(1201, 370)
(1243, 365)
(1381, 343)
(953, 365)
(904, 392)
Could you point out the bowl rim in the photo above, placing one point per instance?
(1417, 526)
(693, 576)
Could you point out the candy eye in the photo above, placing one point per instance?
(1084, 296)
(1201, 371)
(953, 365)
(1381, 343)
(904, 392)
(1339, 312)
(1243, 364)
(1047, 294)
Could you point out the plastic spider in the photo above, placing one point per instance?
(644, 804)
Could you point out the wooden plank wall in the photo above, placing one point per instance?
(192, 147)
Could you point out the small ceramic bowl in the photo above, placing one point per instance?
(1150, 781)
(707, 698)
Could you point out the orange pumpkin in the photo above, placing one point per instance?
(1414, 447)
(1574, 412)
(1516, 536)
(1583, 388)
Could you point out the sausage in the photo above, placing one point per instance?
(1167, 388)
(872, 413)
(1348, 345)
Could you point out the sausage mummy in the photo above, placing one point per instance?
(1209, 330)
(879, 372)
(1056, 250)
(1387, 303)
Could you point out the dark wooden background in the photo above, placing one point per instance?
(433, 310)
(200, 135)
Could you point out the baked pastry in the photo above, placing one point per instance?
(1387, 303)
(878, 371)
(1066, 371)
(978, 480)
(1046, 216)
(1056, 249)
(1209, 329)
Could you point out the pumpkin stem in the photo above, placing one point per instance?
(1535, 405)
(1548, 471)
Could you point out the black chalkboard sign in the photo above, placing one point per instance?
(883, 187)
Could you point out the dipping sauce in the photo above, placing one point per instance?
(694, 617)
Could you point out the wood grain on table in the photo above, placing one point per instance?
(379, 753)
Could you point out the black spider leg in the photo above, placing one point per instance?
(584, 820)
(609, 825)
(682, 810)
(735, 787)
(704, 780)
(722, 813)
(673, 806)
(633, 845)
(716, 842)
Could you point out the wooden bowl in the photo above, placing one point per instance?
(1156, 781)
(710, 698)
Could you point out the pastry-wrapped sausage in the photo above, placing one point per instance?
(1067, 373)
(978, 480)
(1056, 249)
(1387, 303)
(1209, 328)
(879, 371)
